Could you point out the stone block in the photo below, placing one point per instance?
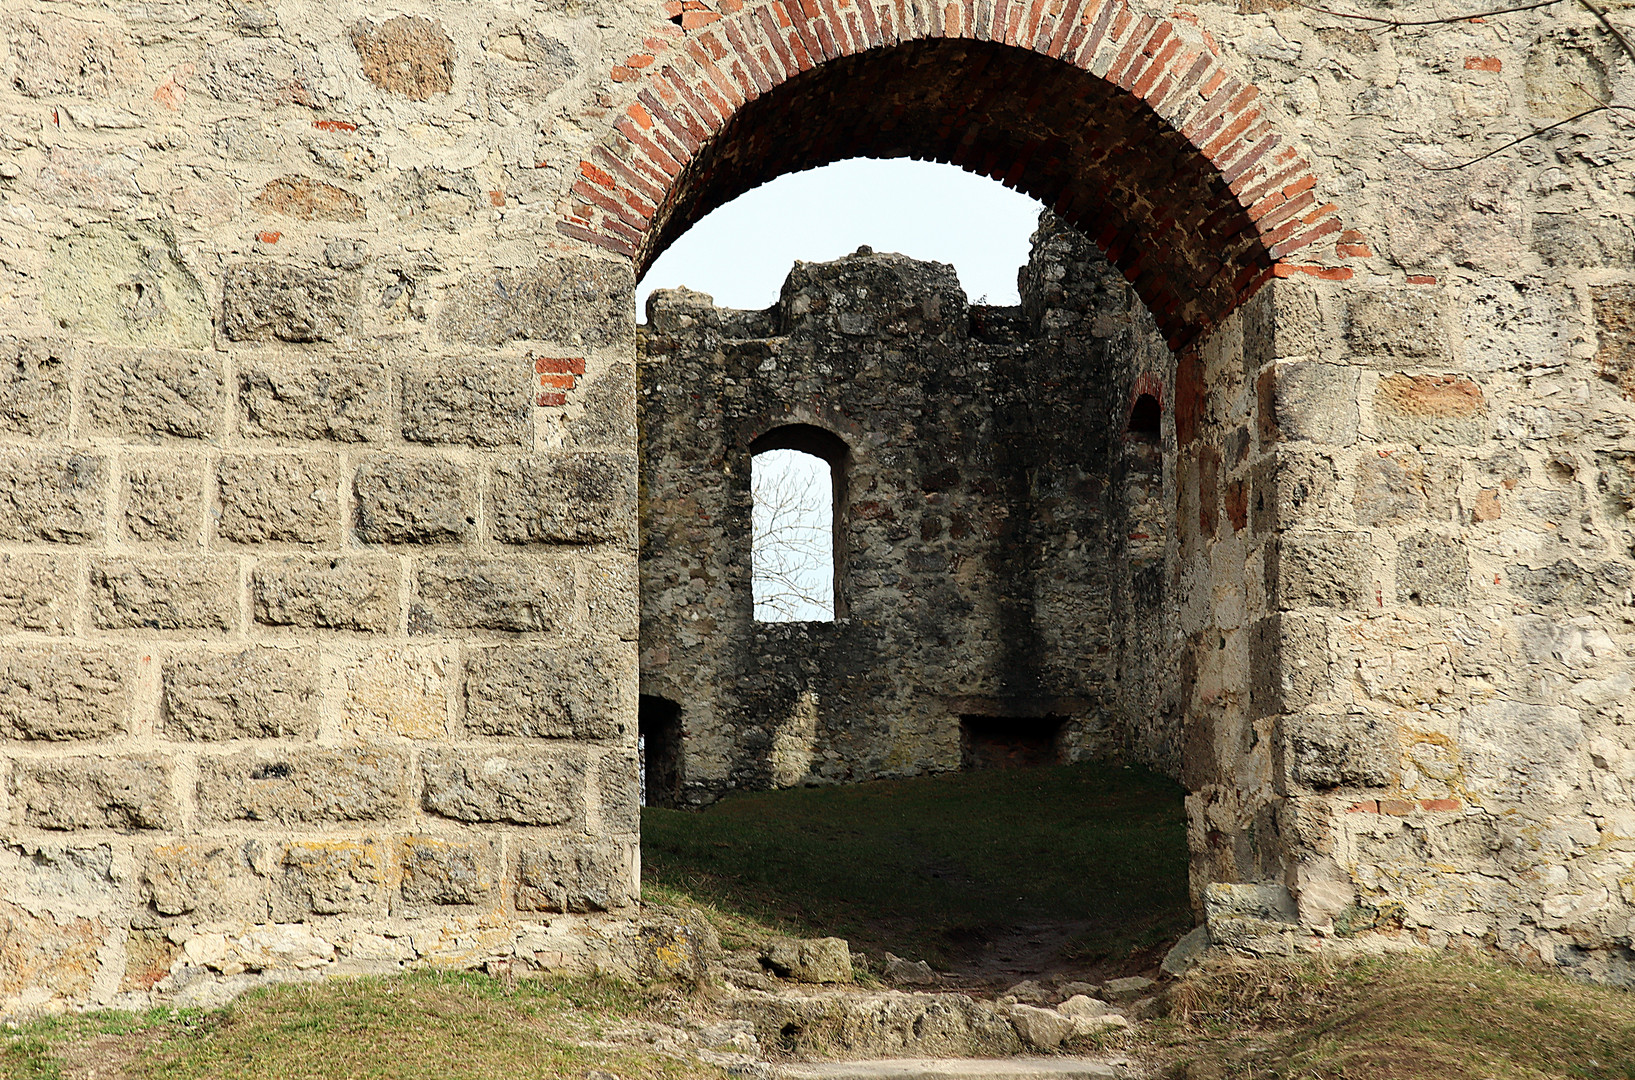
(1430, 409)
(163, 498)
(569, 298)
(1315, 401)
(51, 495)
(34, 386)
(1291, 665)
(305, 786)
(618, 782)
(519, 786)
(1322, 569)
(447, 872)
(1520, 753)
(327, 593)
(415, 501)
(264, 301)
(336, 399)
(123, 793)
(154, 392)
(59, 955)
(551, 693)
(125, 283)
(565, 499)
(37, 592)
(1280, 322)
(1432, 570)
(575, 876)
(1565, 583)
(809, 960)
(1399, 322)
(208, 879)
(259, 693)
(612, 595)
(56, 692)
(608, 416)
(401, 692)
(407, 55)
(330, 877)
(263, 71)
(54, 56)
(148, 956)
(513, 595)
(189, 593)
(307, 199)
(1340, 750)
(279, 497)
(1405, 486)
(1290, 488)
(473, 402)
(1615, 335)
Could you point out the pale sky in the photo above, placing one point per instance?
(741, 253)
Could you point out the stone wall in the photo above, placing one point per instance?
(981, 539)
(319, 368)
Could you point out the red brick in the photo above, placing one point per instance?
(1435, 805)
(1397, 807)
(697, 20)
(550, 398)
(1483, 63)
(1367, 806)
(1421, 279)
(556, 382)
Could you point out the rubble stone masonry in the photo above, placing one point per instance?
(318, 453)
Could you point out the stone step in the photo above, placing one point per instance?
(1021, 1068)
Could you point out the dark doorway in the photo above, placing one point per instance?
(1009, 742)
(659, 723)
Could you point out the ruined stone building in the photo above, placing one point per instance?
(319, 573)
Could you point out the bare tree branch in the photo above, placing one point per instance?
(1392, 24)
(792, 550)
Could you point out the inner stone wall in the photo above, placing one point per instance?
(983, 545)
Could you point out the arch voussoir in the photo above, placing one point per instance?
(1222, 197)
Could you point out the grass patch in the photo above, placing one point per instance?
(417, 1026)
(932, 866)
(1394, 1018)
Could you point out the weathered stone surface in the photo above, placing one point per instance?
(308, 199)
(565, 499)
(574, 876)
(125, 282)
(612, 600)
(337, 399)
(124, 793)
(1316, 402)
(208, 879)
(810, 960)
(1340, 750)
(273, 497)
(1615, 334)
(514, 595)
(1290, 663)
(51, 495)
(148, 956)
(34, 386)
(407, 55)
(330, 877)
(1570, 585)
(328, 593)
(608, 419)
(415, 501)
(1325, 569)
(1398, 322)
(358, 783)
(154, 392)
(58, 692)
(402, 692)
(1405, 487)
(163, 498)
(438, 871)
(58, 56)
(519, 786)
(1518, 752)
(191, 593)
(37, 592)
(41, 953)
(1424, 409)
(263, 300)
(618, 784)
(1290, 487)
(566, 299)
(476, 402)
(263, 71)
(1040, 1028)
(260, 693)
(1432, 569)
(554, 693)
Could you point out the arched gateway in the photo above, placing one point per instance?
(318, 597)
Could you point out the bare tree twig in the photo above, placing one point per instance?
(1535, 133)
(1611, 29)
(1392, 24)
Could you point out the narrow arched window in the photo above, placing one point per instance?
(796, 476)
(1144, 419)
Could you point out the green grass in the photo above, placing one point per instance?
(420, 1026)
(930, 867)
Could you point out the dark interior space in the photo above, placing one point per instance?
(1009, 742)
(659, 724)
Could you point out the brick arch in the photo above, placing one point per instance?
(1130, 125)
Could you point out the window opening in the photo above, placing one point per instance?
(1144, 419)
(795, 480)
(658, 722)
(1009, 742)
